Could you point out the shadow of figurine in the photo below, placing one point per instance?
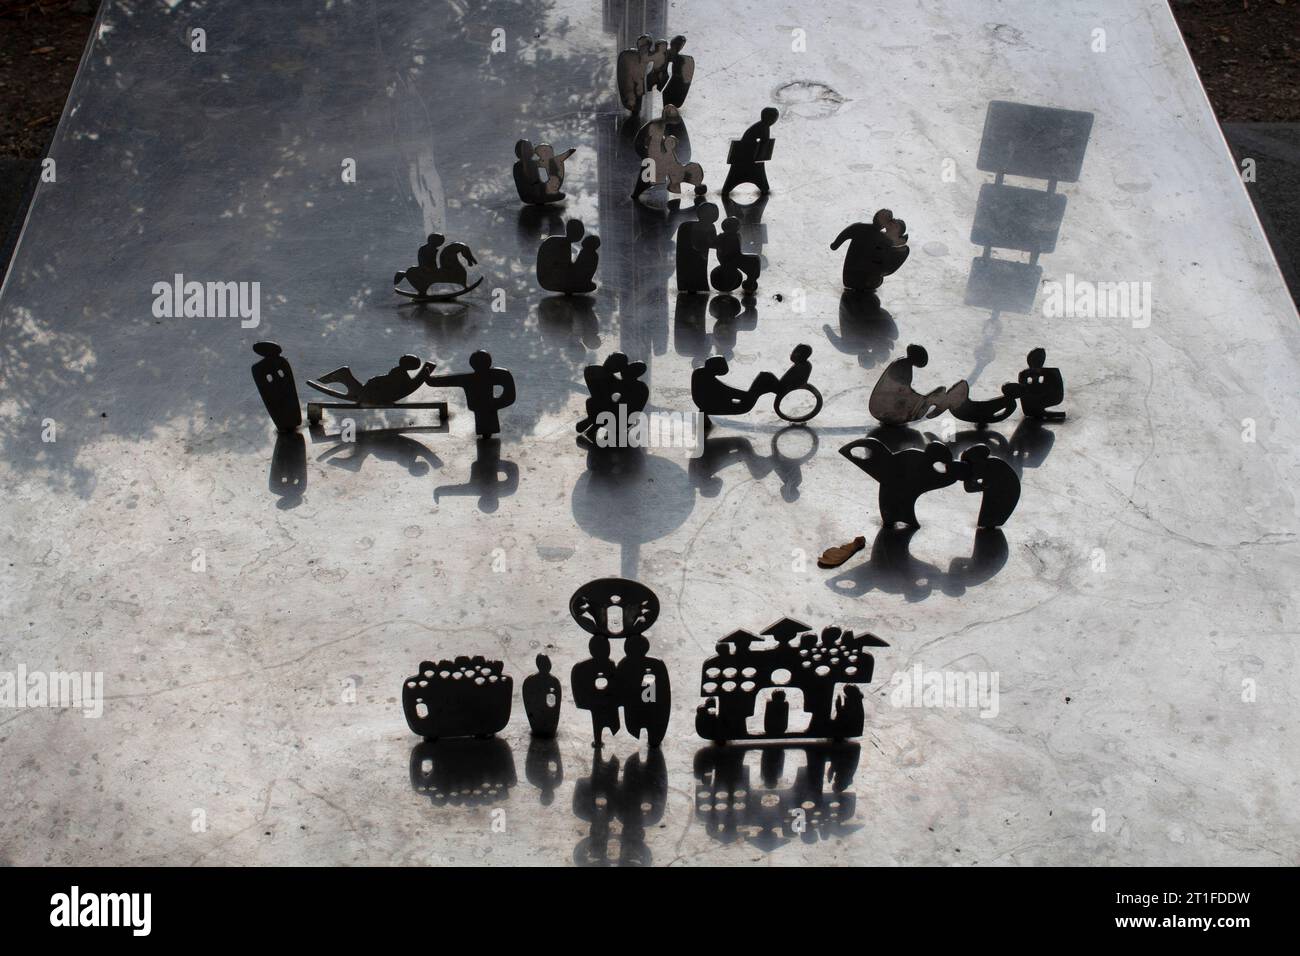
(275, 384)
(463, 772)
(559, 271)
(876, 249)
(385, 445)
(539, 172)
(544, 767)
(635, 800)
(542, 696)
(490, 478)
(818, 805)
(891, 568)
(570, 323)
(748, 155)
(866, 330)
(719, 453)
(288, 476)
(615, 608)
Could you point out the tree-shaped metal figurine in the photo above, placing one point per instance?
(559, 270)
(748, 155)
(713, 397)
(539, 172)
(467, 697)
(617, 395)
(876, 249)
(823, 670)
(275, 384)
(615, 608)
(438, 267)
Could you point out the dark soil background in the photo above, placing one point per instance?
(1247, 52)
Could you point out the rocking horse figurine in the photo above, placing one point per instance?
(438, 269)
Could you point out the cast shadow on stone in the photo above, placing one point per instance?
(630, 795)
(463, 772)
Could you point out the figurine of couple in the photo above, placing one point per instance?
(654, 64)
(695, 239)
(558, 270)
(539, 172)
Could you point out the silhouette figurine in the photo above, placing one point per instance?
(996, 479)
(713, 397)
(467, 697)
(610, 608)
(694, 240)
(776, 717)
(990, 410)
(438, 268)
(275, 384)
(744, 667)
(557, 272)
(850, 715)
(631, 69)
(539, 172)
(614, 383)
(542, 694)
(876, 249)
(656, 144)
(593, 682)
(1040, 388)
(382, 390)
(893, 401)
(675, 88)
(903, 476)
(646, 703)
(480, 386)
(732, 263)
(749, 154)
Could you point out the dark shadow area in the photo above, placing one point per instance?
(890, 567)
(632, 795)
(463, 772)
(722, 452)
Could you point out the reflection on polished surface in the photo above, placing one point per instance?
(227, 581)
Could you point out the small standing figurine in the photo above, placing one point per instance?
(748, 155)
(539, 172)
(631, 69)
(275, 384)
(542, 694)
(1041, 388)
(480, 385)
(694, 240)
(438, 268)
(876, 249)
(559, 271)
(638, 683)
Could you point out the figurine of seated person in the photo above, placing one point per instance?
(1041, 388)
(557, 272)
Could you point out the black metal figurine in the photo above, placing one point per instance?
(734, 268)
(480, 385)
(542, 696)
(382, 391)
(633, 66)
(713, 397)
(876, 249)
(610, 608)
(748, 155)
(617, 394)
(539, 172)
(656, 143)
(1041, 388)
(694, 240)
(467, 697)
(791, 658)
(558, 270)
(275, 384)
(438, 268)
(906, 475)
(673, 78)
